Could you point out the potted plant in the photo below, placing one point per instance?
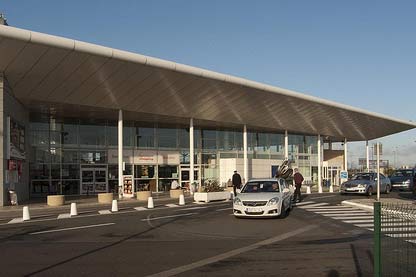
(211, 191)
(143, 192)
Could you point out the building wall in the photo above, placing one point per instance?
(12, 108)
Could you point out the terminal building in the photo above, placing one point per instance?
(76, 116)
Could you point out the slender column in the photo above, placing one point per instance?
(120, 154)
(367, 149)
(345, 155)
(245, 153)
(319, 165)
(286, 145)
(191, 151)
(378, 171)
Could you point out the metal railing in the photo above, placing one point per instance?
(394, 239)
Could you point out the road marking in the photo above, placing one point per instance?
(342, 212)
(410, 235)
(312, 205)
(396, 229)
(411, 241)
(224, 209)
(171, 205)
(329, 208)
(168, 216)
(364, 225)
(15, 220)
(358, 221)
(304, 203)
(104, 212)
(321, 197)
(193, 208)
(72, 228)
(352, 217)
(226, 255)
(347, 214)
(140, 209)
(63, 216)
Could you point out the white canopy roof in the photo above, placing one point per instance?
(41, 68)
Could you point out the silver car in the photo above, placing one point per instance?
(366, 183)
(263, 198)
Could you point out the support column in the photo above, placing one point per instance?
(319, 165)
(345, 155)
(120, 154)
(191, 152)
(245, 153)
(378, 171)
(286, 146)
(367, 149)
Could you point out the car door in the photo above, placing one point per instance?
(285, 192)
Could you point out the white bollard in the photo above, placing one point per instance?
(114, 206)
(181, 200)
(26, 214)
(308, 189)
(74, 211)
(331, 189)
(320, 189)
(150, 204)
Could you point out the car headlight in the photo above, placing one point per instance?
(407, 182)
(237, 201)
(361, 186)
(273, 201)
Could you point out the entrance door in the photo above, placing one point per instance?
(93, 180)
(184, 176)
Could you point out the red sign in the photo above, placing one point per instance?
(12, 165)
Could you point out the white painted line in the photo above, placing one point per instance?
(140, 209)
(347, 214)
(304, 203)
(168, 216)
(409, 235)
(193, 208)
(224, 209)
(313, 198)
(358, 221)
(332, 209)
(342, 212)
(397, 229)
(72, 228)
(352, 217)
(232, 253)
(171, 205)
(104, 212)
(411, 241)
(61, 216)
(312, 205)
(364, 225)
(362, 206)
(15, 220)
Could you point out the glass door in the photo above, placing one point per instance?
(93, 180)
(184, 175)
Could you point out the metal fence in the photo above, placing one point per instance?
(395, 239)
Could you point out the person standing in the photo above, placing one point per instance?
(298, 179)
(236, 182)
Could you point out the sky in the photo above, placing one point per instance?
(359, 53)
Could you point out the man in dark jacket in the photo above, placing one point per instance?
(236, 182)
(298, 179)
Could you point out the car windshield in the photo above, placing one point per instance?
(402, 173)
(261, 186)
(364, 176)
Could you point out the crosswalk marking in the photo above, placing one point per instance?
(140, 208)
(348, 215)
(104, 212)
(64, 216)
(171, 205)
(304, 203)
(342, 212)
(312, 205)
(16, 220)
(352, 217)
(331, 210)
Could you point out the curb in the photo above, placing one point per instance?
(358, 205)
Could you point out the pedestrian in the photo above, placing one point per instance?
(298, 179)
(174, 185)
(236, 182)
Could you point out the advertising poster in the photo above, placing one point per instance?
(16, 140)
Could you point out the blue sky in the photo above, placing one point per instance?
(359, 53)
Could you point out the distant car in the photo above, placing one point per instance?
(366, 183)
(263, 198)
(403, 179)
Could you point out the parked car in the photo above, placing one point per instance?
(263, 198)
(403, 179)
(366, 183)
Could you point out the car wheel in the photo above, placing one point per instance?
(283, 212)
(388, 189)
(370, 191)
(290, 205)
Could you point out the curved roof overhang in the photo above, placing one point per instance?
(42, 68)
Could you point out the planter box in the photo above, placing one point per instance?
(56, 200)
(105, 197)
(143, 195)
(175, 193)
(211, 196)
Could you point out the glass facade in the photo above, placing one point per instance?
(79, 156)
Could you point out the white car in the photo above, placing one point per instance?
(263, 198)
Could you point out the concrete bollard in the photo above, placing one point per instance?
(114, 206)
(181, 200)
(331, 188)
(26, 214)
(320, 189)
(308, 189)
(74, 211)
(150, 204)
